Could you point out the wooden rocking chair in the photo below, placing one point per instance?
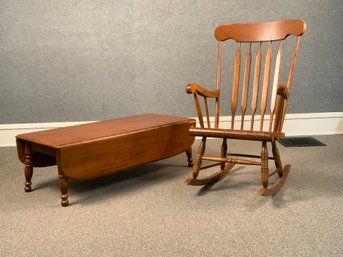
(266, 105)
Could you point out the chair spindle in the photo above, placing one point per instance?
(235, 84)
(275, 85)
(207, 113)
(265, 83)
(246, 80)
(217, 107)
(256, 85)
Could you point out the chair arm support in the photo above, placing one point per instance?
(193, 88)
(283, 93)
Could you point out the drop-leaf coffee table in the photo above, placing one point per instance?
(95, 149)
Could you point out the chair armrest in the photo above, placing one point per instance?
(193, 88)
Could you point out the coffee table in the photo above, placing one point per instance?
(100, 148)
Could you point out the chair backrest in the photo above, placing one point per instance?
(257, 62)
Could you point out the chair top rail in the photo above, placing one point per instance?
(263, 31)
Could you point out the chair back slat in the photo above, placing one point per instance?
(217, 104)
(265, 84)
(255, 85)
(207, 113)
(235, 84)
(246, 79)
(275, 85)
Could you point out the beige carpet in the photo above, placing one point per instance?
(148, 211)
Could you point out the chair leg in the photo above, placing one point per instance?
(198, 160)
(223, 152)
(282, 171)
(211, 178)
(264, 165)
(278, 184)
(277, 159)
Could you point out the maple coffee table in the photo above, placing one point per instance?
(100, 148)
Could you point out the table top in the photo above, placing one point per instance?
(101, 130)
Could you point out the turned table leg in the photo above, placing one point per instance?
(28, 167)
(189, 157)
(63, 184)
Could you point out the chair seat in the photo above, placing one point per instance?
(236, 134)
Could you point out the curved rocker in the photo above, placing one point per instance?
(277, 185)
(212, 178)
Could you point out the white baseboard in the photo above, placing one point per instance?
(300, 124)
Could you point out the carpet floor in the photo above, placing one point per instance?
(149, 211)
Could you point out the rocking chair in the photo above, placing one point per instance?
(261, 107)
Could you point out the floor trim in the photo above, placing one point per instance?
(300, 124)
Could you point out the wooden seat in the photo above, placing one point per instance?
(265, 56)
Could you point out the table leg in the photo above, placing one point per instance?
(63, 183)
(189, 157)
(28, 167)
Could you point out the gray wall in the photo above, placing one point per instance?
(97, 59)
